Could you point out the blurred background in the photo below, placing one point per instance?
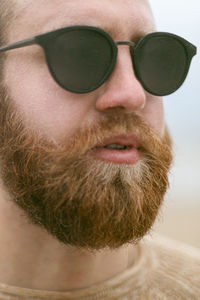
(180, 216)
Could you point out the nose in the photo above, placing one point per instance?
(122, 90)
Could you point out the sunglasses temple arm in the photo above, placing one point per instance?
(20, 44)
(194, 49)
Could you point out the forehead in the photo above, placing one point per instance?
(122, 18)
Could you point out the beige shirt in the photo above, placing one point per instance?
(165, 270)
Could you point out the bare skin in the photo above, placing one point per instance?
(29, 257)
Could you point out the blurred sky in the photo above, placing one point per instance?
(183, 107)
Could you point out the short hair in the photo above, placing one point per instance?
(6, 16)
(6, 13)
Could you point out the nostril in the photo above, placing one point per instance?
(120, 108)
(128, 99)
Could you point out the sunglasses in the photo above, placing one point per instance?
(81, 58)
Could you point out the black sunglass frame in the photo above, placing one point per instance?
(43, 39)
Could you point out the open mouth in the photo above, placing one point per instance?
(117, 147)
(119, 150)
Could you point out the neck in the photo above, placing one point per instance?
(31, 258)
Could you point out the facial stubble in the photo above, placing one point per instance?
(82, 201)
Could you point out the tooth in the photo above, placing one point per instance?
(115, 146)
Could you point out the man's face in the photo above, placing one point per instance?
(56, 112)
(54, 172)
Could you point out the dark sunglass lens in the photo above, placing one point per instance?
(161, 64)
(80, 60)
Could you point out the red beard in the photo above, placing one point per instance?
(81, 201)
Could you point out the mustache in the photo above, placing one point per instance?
(91, 135)
(33, 145)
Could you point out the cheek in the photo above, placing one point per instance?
(154, 114)
(44, 105)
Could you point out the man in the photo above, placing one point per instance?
(85, 152)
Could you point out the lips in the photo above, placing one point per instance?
(121, 149)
